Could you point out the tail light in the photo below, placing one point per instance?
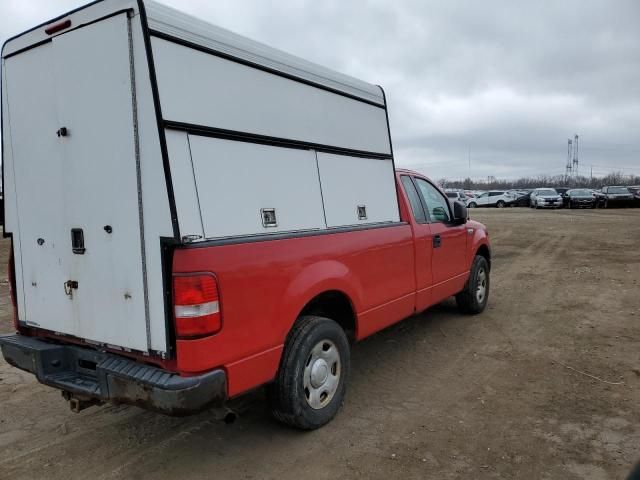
(57, 27)
(196, 305)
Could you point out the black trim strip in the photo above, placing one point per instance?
(167, 245)
(267, 140)
(30, 47)
(158, 110)
(288, 235)
(226, 56)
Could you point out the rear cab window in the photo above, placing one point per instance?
(414, 199)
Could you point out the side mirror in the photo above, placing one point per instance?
(460, 213)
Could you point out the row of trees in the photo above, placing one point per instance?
(615, 178)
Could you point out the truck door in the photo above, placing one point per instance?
(423, 245)
(448, 262)
(72, 124)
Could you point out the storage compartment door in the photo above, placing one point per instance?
(357, 191)
(251, 189)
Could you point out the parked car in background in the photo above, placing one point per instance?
(523, 199)
(545, 198)
(562, 191)
(635, 190)
(615, 196)
(458, 195)
(580, 198)
(493, 198)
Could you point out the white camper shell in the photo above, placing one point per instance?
(129, 128)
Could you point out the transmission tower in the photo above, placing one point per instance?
(567, 173)
(575, 155)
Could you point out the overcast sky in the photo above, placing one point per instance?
(503, 82)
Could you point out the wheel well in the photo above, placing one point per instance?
(484, 252)
(336, 306)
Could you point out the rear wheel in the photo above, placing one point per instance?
(311, 382)
(473, 299)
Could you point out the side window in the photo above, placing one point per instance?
(437, 205)
(495, 194)
(414, 199)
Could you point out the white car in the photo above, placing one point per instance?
(493, 198)
(545, 198)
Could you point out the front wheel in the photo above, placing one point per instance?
(500, 204)
(473, 299)
(472, 205)
(311, 382)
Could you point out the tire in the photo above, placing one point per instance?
(473, 205)
(472, 300)
(500, 204)
(316, 346)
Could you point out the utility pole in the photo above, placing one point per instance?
(575, 155)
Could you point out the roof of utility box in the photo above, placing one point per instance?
(185, 27)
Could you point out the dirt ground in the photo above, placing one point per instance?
(439, 395)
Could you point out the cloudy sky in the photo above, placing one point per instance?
(501, 83)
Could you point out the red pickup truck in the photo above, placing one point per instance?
(195, 215)
(301, 302)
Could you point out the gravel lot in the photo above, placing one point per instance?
(543, 385)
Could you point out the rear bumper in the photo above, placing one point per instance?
(89, 374)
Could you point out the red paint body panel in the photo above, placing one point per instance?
(387, 273)
(265, 285)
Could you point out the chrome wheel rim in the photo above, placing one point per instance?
(321, 374)
(481, 287)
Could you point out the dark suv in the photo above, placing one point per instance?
(615, 197)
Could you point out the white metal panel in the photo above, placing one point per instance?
(186, 27)
(84, 180)
(348, 182)
(9, 192)
(94, 93)
(157, 214)
(200, 88)
(33, 184)
(235, 180)
(184, 186)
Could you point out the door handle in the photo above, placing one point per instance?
(437, 240)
